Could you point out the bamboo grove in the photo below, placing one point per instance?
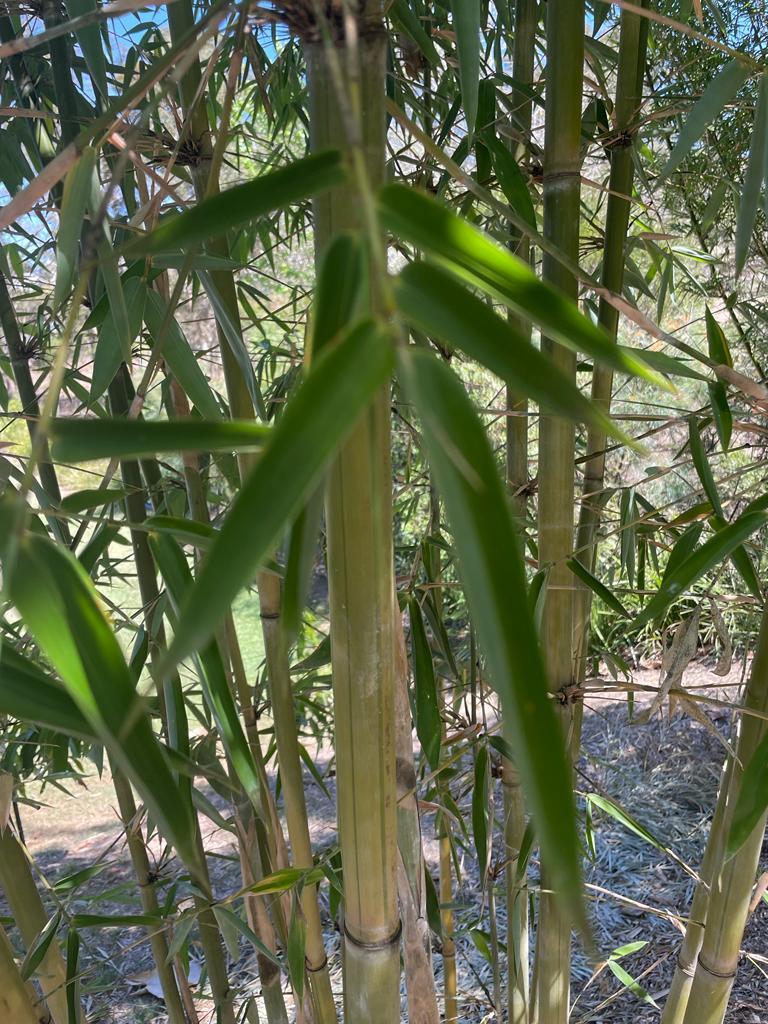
(418, 348)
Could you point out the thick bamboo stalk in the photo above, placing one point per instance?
(518, 988)
(685, 969)
(16, 1001)
(30, 918)
(360, 565)
(732, 888)
(417, 944)
(149, 903)
(632, 47)
(562, 165)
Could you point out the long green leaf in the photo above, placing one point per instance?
(315, 421)
(720, 91)
(690, 569)
(77, 192)
(178, 354)
(434, 302)
(754, 178)
(428, 721)
(29, 695)
(213, 677)
(76, 440)
(59, 605)
(219, 214)
(466, 25)
(597, 587)
(417, 217)
(494, 581)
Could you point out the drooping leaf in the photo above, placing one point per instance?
(59, 605)
(29, 695)
(720, 91)
(40, 946)
(721, 413)
(704, 558)
(78, 440)
(428, 720)
(76, 194)
(492, 573)
(212, 673)
(435, 303)
(510, 178)
(175, 349)
(702, 467)
(597, 587)
(91, 44)
(415, 216)
(315, 421)
(754, 177)
(236, 206)
(480, 812)
(466, 25)
(717, 341)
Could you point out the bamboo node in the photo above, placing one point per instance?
(713, 973)
(316, 970)
(393, 939)
(570, 694)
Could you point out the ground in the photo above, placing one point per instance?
(663, 773)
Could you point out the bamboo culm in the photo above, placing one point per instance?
(562, 194)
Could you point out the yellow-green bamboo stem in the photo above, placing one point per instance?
(677, 999)
(30, 918)
(149, 903)
(562, 166)
(360, 565)
(632, 47)
(417, 945)
(518, 990)
(17, 1005)
(450, 977)
(732, 887)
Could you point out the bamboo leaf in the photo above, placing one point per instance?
(29, 695)
(109, 347)
(720, 91)
(38, 949)
(75, 199)
(704, 558)
(406, 18)
(76, 440)
(433, 302)
(717, 341)
(58, 604)
(213, 677)
(466, 25)
(597, 587)
(178, 354)
(754, 177)
(492, 573)
(702, 467)
(721, 413)
(243, 203)
(297, 945)
(615, 811)
(429, 724)
(315, 421)
(480, 812)
(511, 179)
(236, 922)
(92, 497)
(415, 216)
(90, 42)
(629, 983)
